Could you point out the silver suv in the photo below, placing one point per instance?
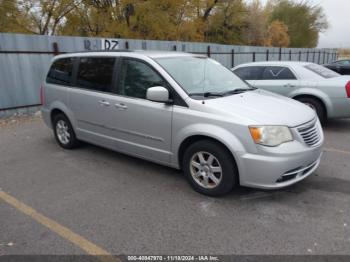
(185, 111)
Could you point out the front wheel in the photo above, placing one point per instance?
(210, 168)
(315, 105)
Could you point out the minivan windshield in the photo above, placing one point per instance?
(202, 76)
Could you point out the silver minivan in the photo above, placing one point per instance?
(185, 111)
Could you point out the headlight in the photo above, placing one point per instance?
(270, 135)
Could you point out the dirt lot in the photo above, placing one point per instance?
(54, 201)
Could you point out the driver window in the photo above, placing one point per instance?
(136, 77)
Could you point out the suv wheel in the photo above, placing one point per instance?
(209, 167)
(64, 132)
(315, 105)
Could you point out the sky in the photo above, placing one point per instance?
(338, 34)
(338, 15)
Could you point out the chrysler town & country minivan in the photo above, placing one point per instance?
(184, 111)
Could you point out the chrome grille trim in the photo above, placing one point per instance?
(310, 133)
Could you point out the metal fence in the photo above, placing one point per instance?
(24, 59)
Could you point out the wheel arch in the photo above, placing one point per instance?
(54, 112)
(59, 107)
(195, 138)
(318, 98)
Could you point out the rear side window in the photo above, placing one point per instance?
(278, 73)
(249, 73)
(61, 72)
(96, 73)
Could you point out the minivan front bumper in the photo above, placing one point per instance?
(278, 171)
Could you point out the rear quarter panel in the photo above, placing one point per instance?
(336, 91)
(56, 98)
(331, 92)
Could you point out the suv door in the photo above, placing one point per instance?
(142, 127)
(277, 79)
(89, 97)
(109, 104)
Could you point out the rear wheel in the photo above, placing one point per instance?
(210, 168)
(64, 132)
(315, 105)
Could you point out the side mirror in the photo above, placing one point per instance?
(158, 94)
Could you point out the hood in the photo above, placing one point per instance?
(264, 108)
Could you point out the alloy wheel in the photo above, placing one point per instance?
(62, 131)
(206, 170)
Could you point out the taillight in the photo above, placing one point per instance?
(347, 87)
(42, 95)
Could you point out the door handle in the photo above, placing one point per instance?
(121, 106)
(104, 103)
(289, 85)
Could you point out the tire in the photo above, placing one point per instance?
(64, 132)
(204, 177)
(316, 105)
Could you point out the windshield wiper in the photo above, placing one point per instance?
(207, 94)
(238, 91)
(220, 94)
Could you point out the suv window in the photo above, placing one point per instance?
(61, 72)
(136, 77)
(249, 72)
(96, 73)
(277, 73)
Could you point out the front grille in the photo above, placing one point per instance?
(310, 133)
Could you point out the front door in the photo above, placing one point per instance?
(141, 127)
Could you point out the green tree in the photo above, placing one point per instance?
(11, 19)
(256, 22)
(226, 23)
(304, 21)
(152, 19)
(44, 16)
(278, 34)
(220, 21)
